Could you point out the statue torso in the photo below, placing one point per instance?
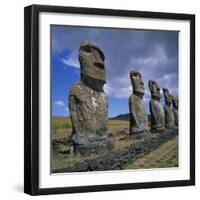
(157, 114)
(137, 113)
(91, 108)
(169, 117)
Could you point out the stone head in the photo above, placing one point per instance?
(91, 60)
(137, 83)
(168, 97)
(154, 89)
(175, 102)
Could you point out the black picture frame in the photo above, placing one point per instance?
(31, 98)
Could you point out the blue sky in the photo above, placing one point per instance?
(153, 53)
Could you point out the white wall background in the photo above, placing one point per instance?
(11, 100)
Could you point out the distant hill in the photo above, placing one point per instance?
(122, 117)
(126, 117)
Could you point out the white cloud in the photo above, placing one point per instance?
(59, 103)
(71, 62)
(121, 92)
(157, 57)
(107, 89)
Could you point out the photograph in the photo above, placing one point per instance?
(114, 99)
(109, 99)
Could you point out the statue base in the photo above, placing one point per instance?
(97, 147)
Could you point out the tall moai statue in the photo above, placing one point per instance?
(138, 115)
(169, 115)
(156, 109)
(88, 104)
(175, 109)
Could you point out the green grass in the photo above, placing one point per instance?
(165, 156)
(65, 122)
(61, 122)
(62, 126)
(116, 122)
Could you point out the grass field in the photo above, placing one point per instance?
(61, 130)
(165, 156)
(62, 127)
(59, 123)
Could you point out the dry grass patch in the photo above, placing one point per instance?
(165, 156)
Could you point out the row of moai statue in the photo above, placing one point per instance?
(161, 117)
(88, 104)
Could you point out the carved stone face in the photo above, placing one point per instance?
(91, 59)
(155, 90)
(137, 83)
(175, 102)
(168, 96)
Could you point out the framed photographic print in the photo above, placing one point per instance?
(109, 99)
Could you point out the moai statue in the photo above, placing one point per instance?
(88, 104)
(175, 109)
(138, 115)
(156, 109)
(169, 116)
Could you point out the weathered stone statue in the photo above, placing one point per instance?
(169, 116)
(138, 115)
(175, 109)
(88, 104)
(156, 109)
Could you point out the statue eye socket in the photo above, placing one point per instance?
(87, 48)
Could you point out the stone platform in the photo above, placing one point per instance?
(115, 160)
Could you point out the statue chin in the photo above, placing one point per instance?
(139, 93)
(93, 83)
(156, 97)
